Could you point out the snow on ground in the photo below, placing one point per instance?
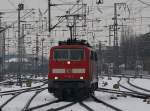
(144, 83)
(109, 83)
(4, 98)
(96, 106)
(20, 101)
(106, 83)
(14, 87)
(43, 97)
(126, 104)
(126, 84)
(75, 107)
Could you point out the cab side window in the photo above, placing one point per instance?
(93, 56)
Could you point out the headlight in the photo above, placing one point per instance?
(68, 62)
(56, 78)
(78, 70)
(81, 77)
(58, 70)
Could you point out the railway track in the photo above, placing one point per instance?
(12, 92)
(31, 99)
(10, 99)
(16, 93)
(42, 105)
(62, 107)
(38, 90)
(14, 81)
(86, 106)
(135, 86)
(38, 107)
(49, 104)
(145, 95)
(19, 93)
(125, 93)
(6, 82)
(105, 103)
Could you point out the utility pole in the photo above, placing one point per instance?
(74, 26)
(115, 26)
(116, 47)
(8, 45)
(109, 35)
(49, 16)
(37, 54)
(1, 58)
(100, 58)
(19, 81)
(2, 51)
(42, 40)
(116, 41)
(22, 49)
(111, 28)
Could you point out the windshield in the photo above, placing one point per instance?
(68, 54)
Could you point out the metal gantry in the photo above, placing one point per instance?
(2, 50)
(19, 81)
(42, 40)
(116, 39)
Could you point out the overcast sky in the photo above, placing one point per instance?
(106, 9)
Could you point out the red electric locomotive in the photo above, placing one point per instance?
(72, 69)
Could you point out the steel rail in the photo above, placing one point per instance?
(85, 106)
(31, 99)
(13, 93)
(62, 107)
(4, 92)
(136, 92)
(106, 104)
(10, 99)
(17, 94)
(143, 89)
(132, 94)
(42, 105)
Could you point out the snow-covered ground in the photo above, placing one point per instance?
(14, 87)
(144, 83)
(18, 101)
(123, 103)
(110, 83)
(128, 103)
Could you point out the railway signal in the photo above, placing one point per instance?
(99, 1)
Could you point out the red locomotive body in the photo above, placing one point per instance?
(72, 70)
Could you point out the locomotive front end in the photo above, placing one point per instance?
(68, 70)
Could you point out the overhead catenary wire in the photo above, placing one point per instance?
(12, 4)
(23, 17)
(145, 3)
(69, 1)
(62, 19)
(62, 1)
